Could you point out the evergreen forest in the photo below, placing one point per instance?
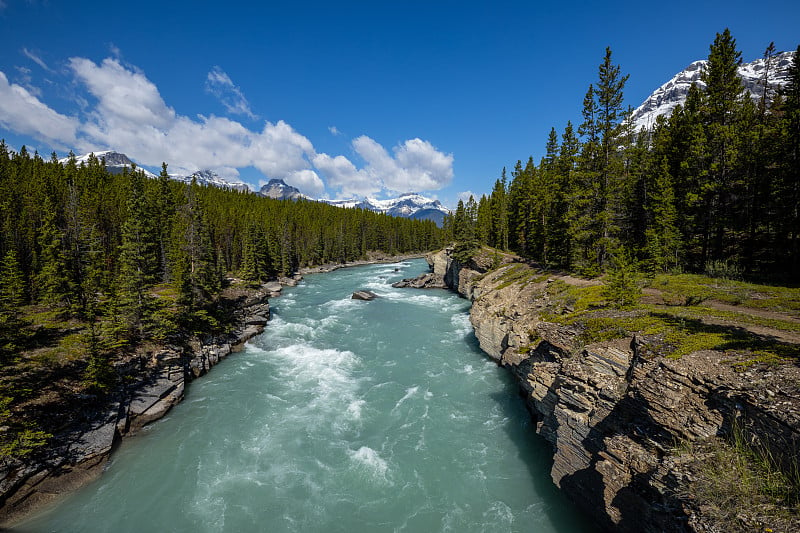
(124, 259)
(714, 188)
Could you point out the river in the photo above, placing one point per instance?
(344, 415)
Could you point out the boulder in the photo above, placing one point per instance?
(273, 287)
(256, 320)
(364, 295)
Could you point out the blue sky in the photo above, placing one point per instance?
(342, 98)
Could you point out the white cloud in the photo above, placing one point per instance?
(344, 176)
(464, 196)
(25, 114)
(219, 84)
(307, 181)
(130, 115)
(125, 111)
(334, 130)
(123, 95)
(416, 165)
(35, 58)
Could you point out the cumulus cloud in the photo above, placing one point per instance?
(24, 113)
(130, 114)
(343, 175)
(219, 84)
(307, 181)
(124, 110)
(465, 195)
(415, 166)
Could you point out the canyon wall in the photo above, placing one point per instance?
(617, 415)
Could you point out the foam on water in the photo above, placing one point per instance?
(461, 324)
(369, 460)
(354, 409)
(342, 416)
(409, 393)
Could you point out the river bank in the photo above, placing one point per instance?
(150, 384)
(639, 423)
(373, 258)
(345, 415)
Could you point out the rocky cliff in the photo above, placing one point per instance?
(152, 383)
(626, 424)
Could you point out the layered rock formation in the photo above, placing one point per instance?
(614, 412)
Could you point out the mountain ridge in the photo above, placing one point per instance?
(664, 100)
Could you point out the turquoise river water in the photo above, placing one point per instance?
(343, 415)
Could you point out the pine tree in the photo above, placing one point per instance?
(788, 188)
(165, 211)
(138, 257)
(499, 208)
(610, 117)
(723, 99)
(52, 281)
(12, 297)
(662, 236)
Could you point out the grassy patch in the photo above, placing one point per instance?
(741, 318)
(741, 470)
(574, 300)
(519, 274)
(678, 330)
(693, 289)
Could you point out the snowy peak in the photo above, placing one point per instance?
(280, 190)
(408, 205)
(115, 162)
(209, 177)
(664, 100)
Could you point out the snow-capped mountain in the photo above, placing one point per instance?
(664, 99)
(409, 205)
(280, 190)
(117, 161)
(209, 177)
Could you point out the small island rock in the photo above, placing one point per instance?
(364, 295)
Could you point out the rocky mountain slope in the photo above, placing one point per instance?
(664, 99)
(279, 190)
(209, 177)
(634, 433)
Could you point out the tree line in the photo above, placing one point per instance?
(713, 188)
(139, 258)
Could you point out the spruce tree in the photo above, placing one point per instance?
(138, 257)
(723, 100)
(788, 188)
(662, 236)
(12, 297)
(610, 120)
(52, 281)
